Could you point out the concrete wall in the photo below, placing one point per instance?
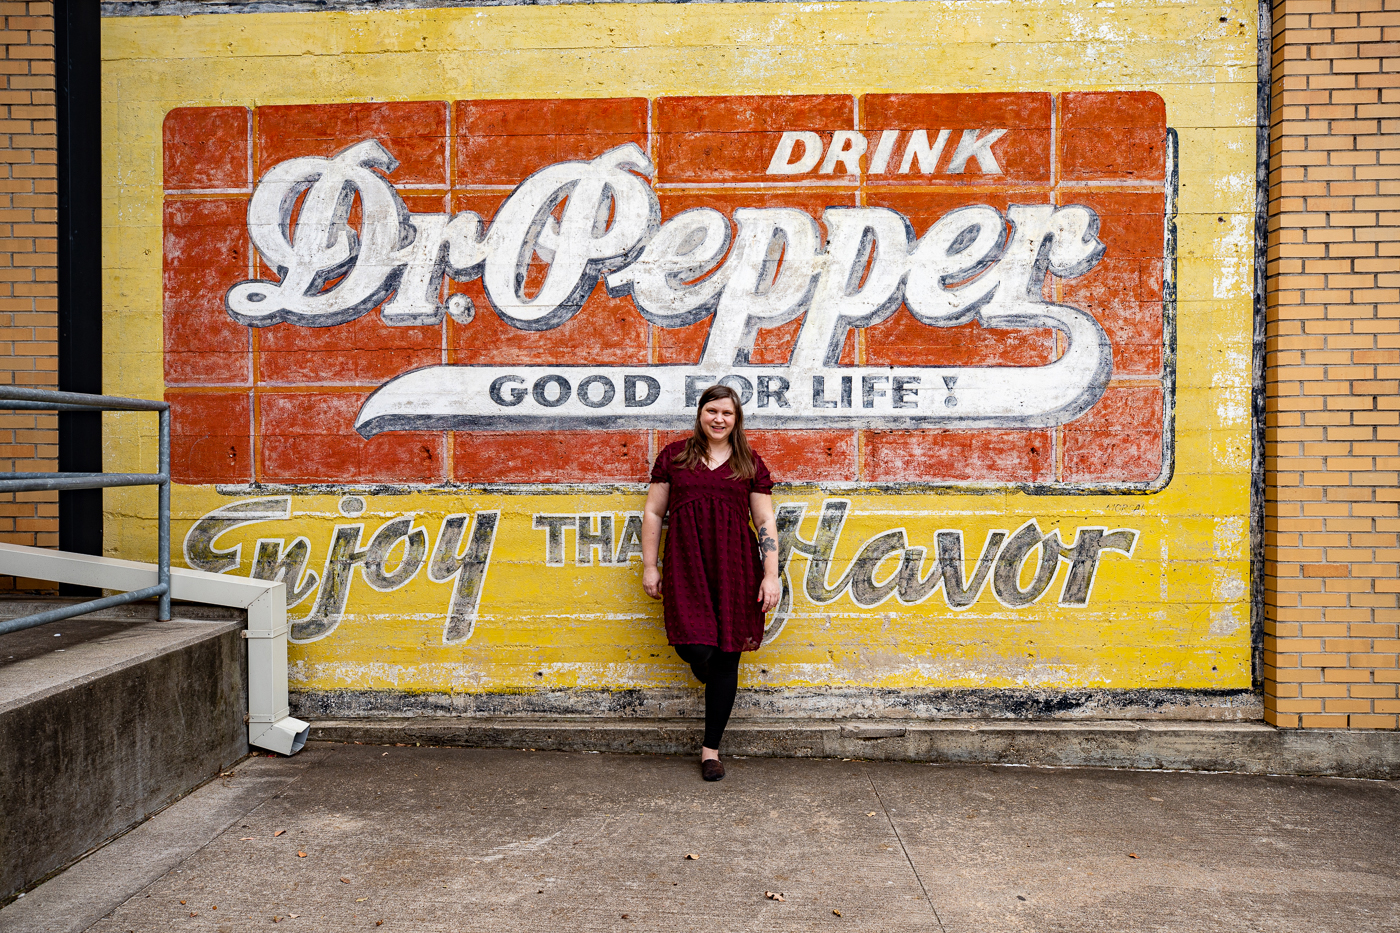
(454, 550)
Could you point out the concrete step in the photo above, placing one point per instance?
(1246, 747)
(105, 719)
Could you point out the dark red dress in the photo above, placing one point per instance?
(709, 583)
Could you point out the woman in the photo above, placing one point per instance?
(719, 581)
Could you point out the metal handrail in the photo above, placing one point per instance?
(22, 398)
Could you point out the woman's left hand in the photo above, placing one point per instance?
(769, 591)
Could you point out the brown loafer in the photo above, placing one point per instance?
(712, 770)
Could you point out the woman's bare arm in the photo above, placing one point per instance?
(761, 506)
(657, 498)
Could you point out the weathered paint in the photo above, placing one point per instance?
(456, 548)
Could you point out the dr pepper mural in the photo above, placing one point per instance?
(422, 352)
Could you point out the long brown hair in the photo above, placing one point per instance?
(697, 447)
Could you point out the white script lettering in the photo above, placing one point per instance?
(599, 220)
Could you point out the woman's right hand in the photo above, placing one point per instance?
(651, 582)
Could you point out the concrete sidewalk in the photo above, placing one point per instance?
(360, 837)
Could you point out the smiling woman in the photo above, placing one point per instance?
(719, 581)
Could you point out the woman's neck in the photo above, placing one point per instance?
(719, 449)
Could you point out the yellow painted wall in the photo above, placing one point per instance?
(1173, 615)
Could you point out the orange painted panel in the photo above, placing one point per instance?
(500, 142)
(1119, 439)
(1124, 291)
(414, 133)
(307, 437)
(795, 456)
(205, 147)
(206, 249)
(1021, 154)
(807, 456)
(211, 436)
(705, 140)
(959, 456)
(550, 457)
(1108, 134)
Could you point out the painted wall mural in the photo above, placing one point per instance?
(992, 277)
(993, 341)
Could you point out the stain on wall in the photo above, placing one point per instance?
(992, 331)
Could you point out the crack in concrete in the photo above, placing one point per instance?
(894, 829)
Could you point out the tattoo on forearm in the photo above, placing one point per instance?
(766, 542)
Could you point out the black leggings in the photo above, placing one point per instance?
(719, 672)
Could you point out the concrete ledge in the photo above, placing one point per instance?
(1250, 748)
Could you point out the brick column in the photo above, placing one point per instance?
(28, 265)
(1333, 367)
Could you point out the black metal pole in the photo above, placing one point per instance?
(78, 80)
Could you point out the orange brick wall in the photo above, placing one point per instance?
(1333, 366)
(28, 264)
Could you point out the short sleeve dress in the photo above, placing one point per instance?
(709, 583)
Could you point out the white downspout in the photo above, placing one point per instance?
(270, 724)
